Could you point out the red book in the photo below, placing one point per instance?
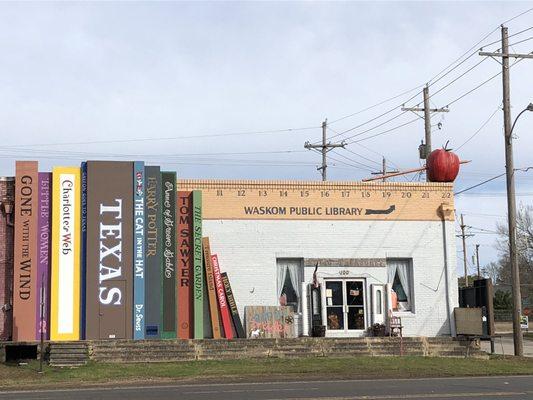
(221, 295)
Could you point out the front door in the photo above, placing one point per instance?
(345, 307)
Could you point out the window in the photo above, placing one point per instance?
(290, 278)
(400, 275)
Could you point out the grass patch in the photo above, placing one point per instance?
(528, 335)
(18, 377)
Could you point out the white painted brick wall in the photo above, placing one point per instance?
(248, 251)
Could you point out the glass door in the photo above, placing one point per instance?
(345, 306)
(334, 305)
(355, 305)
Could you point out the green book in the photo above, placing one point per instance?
(198, 290)
(168, 259)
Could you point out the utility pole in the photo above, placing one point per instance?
(464, 236)
(427, 119)
(477, 262)
(325, 147)
(384, 170)
(511, 199)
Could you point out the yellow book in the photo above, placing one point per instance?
(66, 240)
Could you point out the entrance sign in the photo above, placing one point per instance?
(293, 200)
(269, 322)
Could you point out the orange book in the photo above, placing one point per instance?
(210, 280)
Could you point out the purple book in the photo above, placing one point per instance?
(43, 254)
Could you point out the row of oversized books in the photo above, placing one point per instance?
(114, 250)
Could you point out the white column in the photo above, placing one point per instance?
(305, 310)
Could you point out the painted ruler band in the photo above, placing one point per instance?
(350, 201)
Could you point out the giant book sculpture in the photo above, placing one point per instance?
(109, 282)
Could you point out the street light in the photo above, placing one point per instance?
(511, 205)
(528, 108)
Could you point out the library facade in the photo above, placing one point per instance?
(344, 255)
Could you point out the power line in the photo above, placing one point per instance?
(479, 184)
(352, 160)
(510, 36)
(274, 131)
(480, 128)
(377, 104)
(380, 133)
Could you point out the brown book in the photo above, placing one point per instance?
(185, 268)
(25, 290)
(211, 289)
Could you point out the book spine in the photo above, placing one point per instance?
(66, 246)
(138, 250)
(233, 307)
(153, 253)
(43, 270)
(109, 250)
(83, 250)
(185, 265)
(25, 290)
(168, 264)
(198, 266)
(221, 295)
(210, 280)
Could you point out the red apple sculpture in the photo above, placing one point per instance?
(442, 165)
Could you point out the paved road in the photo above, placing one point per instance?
(508, 347)
(512, 388)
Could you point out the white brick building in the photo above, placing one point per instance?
(402, 238)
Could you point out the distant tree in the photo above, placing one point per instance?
(503, 300)
(492, 270)
(461, 280)
(524, 244)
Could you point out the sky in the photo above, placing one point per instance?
(235, 89)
